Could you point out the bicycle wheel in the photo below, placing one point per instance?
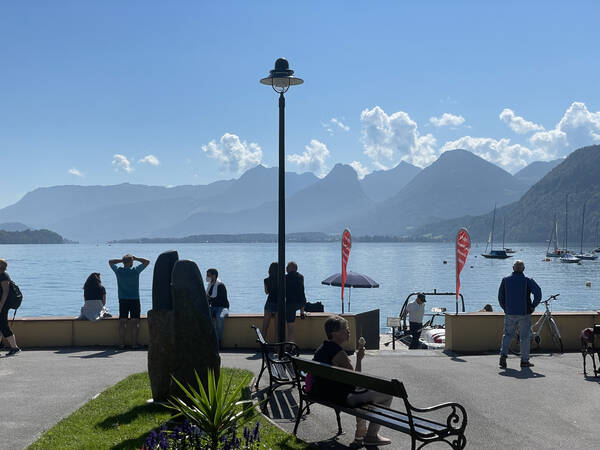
(556, 335)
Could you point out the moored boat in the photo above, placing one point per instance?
(494, 254)
(569, 259)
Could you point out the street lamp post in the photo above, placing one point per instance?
(280, 79)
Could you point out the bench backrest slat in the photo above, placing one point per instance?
(391, 387)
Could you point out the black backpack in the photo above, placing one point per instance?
(15, 297)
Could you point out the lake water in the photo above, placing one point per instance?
(51, 276)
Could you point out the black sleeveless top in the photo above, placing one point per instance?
(325, 389)
(271, 285)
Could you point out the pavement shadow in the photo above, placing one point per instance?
(524, 373)
(281, 405)
(105, 353)
(453, 356)
(254, 357)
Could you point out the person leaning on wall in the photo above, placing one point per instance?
(7, 333)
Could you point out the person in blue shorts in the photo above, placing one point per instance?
(128, 283)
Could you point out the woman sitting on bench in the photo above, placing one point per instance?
(331, 352)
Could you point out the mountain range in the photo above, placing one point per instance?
(393, 202)
(573, 182)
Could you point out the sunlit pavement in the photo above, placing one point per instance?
(551, 406)
(40, 387)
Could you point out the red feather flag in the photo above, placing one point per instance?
(463, 245)
(346, 246)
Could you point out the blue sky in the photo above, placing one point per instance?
(167, 92)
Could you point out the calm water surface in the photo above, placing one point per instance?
(51, 276)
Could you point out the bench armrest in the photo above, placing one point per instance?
(456, 420)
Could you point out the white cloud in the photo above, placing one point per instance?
(361, 170)
(150, 159)
(121, 163)
(509, 156)
(76, 172)
(446, 120)
(517, 123)
(340, 124)
(334, 123)
(389, 139)
(313, 158)
(232, 154)
(577, 128)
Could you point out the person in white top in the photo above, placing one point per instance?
(415, 311)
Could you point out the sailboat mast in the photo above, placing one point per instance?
(503, 233)
(493, 223)
(566, 222)
(582, 222)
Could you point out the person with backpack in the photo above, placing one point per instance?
(5, 305)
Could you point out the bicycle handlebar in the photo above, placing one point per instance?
(549, 299)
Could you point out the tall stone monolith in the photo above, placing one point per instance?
(196, 347)
(161, 326)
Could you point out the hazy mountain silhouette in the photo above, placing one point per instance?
(535, 171)
(458, 183)
(383, 184)
(337, 195)
(530, 219)
(98, 213)
(14, 226)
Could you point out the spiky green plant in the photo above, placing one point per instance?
(216, 410)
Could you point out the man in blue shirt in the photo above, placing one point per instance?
(514, 296)
(128, 283)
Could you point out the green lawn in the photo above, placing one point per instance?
(120, 418)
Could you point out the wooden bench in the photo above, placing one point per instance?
(276, 359)
(421, 429)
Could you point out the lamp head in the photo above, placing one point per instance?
(281, 77)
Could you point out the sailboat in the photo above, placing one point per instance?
(557, 252)
(568, 257)
(581, 255)
(494, 254)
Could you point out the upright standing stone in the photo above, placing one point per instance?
(161, 326)
(196, 347)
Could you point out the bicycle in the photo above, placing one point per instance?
(536, 330)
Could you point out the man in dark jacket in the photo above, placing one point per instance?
(514, 296)
(295, 299)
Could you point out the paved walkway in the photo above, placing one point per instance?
(552, 406)
(40, 387)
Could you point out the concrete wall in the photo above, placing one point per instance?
(482, 331)
(69, 332)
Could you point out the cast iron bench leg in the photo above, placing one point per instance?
(339, 422)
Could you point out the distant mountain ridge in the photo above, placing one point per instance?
(393, 203)
(530, 219)
(383, 184)
(535, 171)
(14, 226)
(457, 184)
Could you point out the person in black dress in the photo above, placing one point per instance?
(270, 284)
(295, 298)
(7, 333)
(332, 353)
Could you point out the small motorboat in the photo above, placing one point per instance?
(509, 250)
(569, 258)
(586, 256)
(496, 254)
